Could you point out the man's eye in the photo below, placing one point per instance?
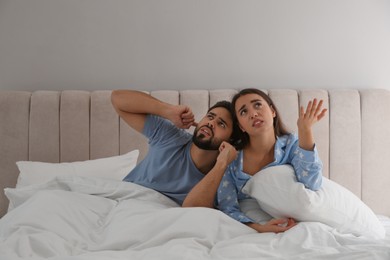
(222, 125)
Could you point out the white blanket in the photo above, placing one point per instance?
(90, 218)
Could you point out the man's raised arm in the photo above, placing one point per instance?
(133, 106)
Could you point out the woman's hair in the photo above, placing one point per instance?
(279, 127)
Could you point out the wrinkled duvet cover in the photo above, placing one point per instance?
(90, 218)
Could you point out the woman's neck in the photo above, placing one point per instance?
(258, 154)
(261, 144)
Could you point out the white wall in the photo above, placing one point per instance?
(194, 44)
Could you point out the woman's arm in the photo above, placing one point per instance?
(306, 120)
(228, 203)
(274, 225)
(227, 198)
(305, 158)
(307, 165)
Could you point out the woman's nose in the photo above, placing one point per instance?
(254, 114)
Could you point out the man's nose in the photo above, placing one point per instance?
(210, 124)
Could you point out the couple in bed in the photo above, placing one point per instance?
(205, 169)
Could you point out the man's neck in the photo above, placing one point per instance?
(204, 160)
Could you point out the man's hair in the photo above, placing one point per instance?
(225, 104)
(235, 137)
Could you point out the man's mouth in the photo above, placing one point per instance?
(206, 131)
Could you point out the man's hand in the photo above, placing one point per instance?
(227, 154)
(182, 116)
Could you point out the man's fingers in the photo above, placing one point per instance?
(188, 121)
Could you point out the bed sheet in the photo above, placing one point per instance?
(91, 218)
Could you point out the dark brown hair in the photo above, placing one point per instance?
(236, 133)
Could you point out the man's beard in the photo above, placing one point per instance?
(204, 144)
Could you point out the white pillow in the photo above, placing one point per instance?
(281, 195)
(251, 208)
(116, 168)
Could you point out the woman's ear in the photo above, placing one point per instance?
(237, 144)
(273, 111)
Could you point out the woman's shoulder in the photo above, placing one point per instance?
(287, 139)
(236, 164)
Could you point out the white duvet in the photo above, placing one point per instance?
(90, 218)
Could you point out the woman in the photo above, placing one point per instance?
(266, 143)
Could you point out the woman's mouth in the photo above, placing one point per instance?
(257, 122)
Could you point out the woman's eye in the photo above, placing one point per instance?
(243, 112)
(257, 105)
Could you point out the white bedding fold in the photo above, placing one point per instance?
(88, 218)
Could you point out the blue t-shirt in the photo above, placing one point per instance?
(168, 167)
(307, 166)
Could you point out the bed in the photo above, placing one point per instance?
(63, 154)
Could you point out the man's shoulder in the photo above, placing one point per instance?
(163, 131)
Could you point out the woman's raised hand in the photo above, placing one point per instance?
(312, 115)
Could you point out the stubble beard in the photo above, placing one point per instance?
(208, 144)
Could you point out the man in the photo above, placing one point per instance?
(176, 160)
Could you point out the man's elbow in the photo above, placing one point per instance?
(114, 97)
(189, 204)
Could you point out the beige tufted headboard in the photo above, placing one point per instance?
(51, 126)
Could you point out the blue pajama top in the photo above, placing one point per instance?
(307, 166)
